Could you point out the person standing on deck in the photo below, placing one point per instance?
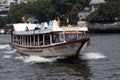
(67, 21)
(58, 21)
(24, 19)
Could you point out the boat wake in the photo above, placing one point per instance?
(92, 56)
(38, 59)
(10, 51)
(5, 47)
(7, 56)
(35, 59)
(12, 54)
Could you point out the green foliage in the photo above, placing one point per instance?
(66, 6)
(69, 8)
(2, 22)
(45, 10)
(108, 12)
(18, 11)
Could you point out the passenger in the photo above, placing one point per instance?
(58, 21)
(67, 21)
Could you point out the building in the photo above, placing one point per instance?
(94, 4)
(24, 1)
(84, 13)
(32, 20)
(5, 5)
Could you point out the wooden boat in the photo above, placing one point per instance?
(48, 40)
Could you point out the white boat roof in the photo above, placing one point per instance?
(28, 28)
(24, 26)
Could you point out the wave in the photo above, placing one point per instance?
(7, 56)
(38, 59)
(92, 55)
(5, 47)
(35, 59)
(10, 51)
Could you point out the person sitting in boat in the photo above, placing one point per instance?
(67, 20)
(37, 28)
(16, 41)
(56, 39)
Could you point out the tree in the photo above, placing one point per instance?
(2, 22)
(69, 8)
(18, 11)
(108, 12)
(45, 10)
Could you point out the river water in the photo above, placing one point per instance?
(100, 61)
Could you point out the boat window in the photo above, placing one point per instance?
(35, 40)
(31, 40)
(40, 40)
(57, 38)
(70, 37)
(81, 35)
(47, 39)
(16, 39)
(24, 40)
(28, 40)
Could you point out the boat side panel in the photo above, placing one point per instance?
(61, 50)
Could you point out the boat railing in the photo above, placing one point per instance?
(48, 39)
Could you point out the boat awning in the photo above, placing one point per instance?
(24, 26)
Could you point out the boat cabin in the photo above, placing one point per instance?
(30, 35)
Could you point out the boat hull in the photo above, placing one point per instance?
(65, 49)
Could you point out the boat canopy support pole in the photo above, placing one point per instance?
(27, 41)
(34, 40)
(43, 39)
(13, 38)
(30, 41)
(50, 38)
(64, 36)
(38, 40)
(24, 40)
(77, 35)
(20, 40)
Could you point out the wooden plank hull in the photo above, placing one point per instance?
(65, 49)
